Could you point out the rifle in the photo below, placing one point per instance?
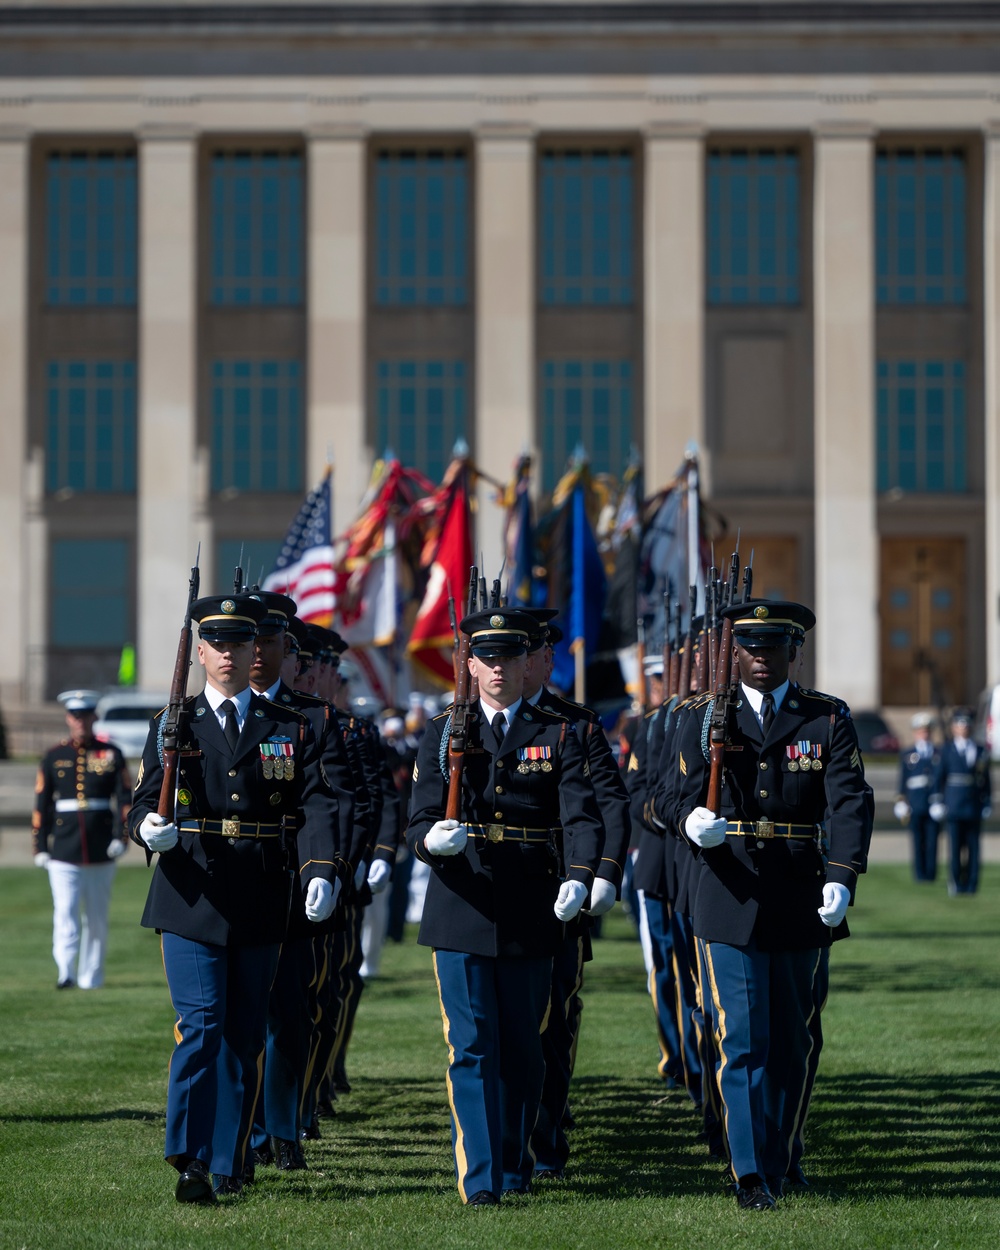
(238, 587)
(640, 659)
(674, 684)
(668, 650)
(454, 632)
(178, 693)
(684, 677)
(459, 735)
(725, 697)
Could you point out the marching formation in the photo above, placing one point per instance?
(273, 815)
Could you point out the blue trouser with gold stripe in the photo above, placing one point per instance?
(220, 994)
(685, 961)
(762, 1004)
(548, 1140)
(663, 986)
(289, 1029)
(493, 1011)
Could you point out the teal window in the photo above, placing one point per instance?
(753, 238)
(420, 411)
(920, 226)
(258, 559)
(257, 223)
(91, 228)
(91, 592)
(587, 404)
(421, 227)
(586, 225)
(921, 425)
(90, 438)
(257, 419)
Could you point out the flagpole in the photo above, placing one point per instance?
(693, 519)
(579, 669)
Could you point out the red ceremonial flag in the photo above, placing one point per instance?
(431, 641)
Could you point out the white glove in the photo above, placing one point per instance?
(704, 828)
(603, 897)
(938, 812)
(987, 812)
(359, 875)
(321, 899)
(572, 896)
(157, 832)
(835, 900)
(901, 809)
(379, 876)
(446, 837)
(116, 847)
(42, 859)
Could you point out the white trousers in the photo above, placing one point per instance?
(373, 926)
(79, 941)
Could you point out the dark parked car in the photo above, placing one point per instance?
(874, 735)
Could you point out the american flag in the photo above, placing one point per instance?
(304, 567)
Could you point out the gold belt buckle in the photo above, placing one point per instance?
(231, 827)
(765, 829)
(494, 833)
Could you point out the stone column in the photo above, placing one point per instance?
(505, 302)
(847, 541)
(336, 312)
(14, 158)
(991, 355)
(168, 398)
(674, 322)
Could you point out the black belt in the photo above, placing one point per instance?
(234, 827)
(512, 833)
(770, 829)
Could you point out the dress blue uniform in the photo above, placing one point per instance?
(532, 820)
(755, 897)
(917, 765)
(248, 817)
(962, 782)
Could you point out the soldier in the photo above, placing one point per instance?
(253, 809)
(961, 795)
(548, 1140)
(504, 880)
(917, 766)
(82, 797)
(277, 1121)
(765, 901)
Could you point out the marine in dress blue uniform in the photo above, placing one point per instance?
(502, 884)
(961, 797)
(765, 898)
(82, 796)
(252, 807)
(917, 766)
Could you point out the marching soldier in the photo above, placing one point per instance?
(253, 809)
(917, 766)
(765, 900)
(504, 880)
(82, 797)
(961, 796)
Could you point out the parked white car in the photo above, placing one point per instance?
(123, 718)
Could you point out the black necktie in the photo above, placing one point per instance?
(767, 713)
(232, 729)
(499, 726)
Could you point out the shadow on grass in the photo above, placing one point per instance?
(923, 976)
(88, 1117)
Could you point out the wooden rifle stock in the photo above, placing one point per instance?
(640, 659)
(726, 680)
(175, 708)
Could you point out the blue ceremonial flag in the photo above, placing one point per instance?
(304, 567)
(579, 588)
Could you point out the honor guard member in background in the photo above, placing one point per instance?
(961, 796)
(253, 808)
(917, 765)
(277, 1122)
(504, 880)
(82, 797)
(765, 900)
(548, 1140)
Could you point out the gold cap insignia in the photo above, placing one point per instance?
(760, 613)
(227, 605)
(497, 622)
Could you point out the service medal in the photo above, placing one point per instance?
(523, 768)
(546, 766)
(793, 766)
(289, 768)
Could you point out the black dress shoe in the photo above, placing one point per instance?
(795, 1178)
(249, 1171)
(193, 1184)
(754, 1197)
(227, 1185)
(325, 1108)
(518, 1191)
(263, 1156)
(67, 984)
(776, 1184)
(483, 1199)
(548, 1174)
(288, 1156)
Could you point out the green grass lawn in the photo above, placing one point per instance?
(904, 1145)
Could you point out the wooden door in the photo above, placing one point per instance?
(922, 612)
